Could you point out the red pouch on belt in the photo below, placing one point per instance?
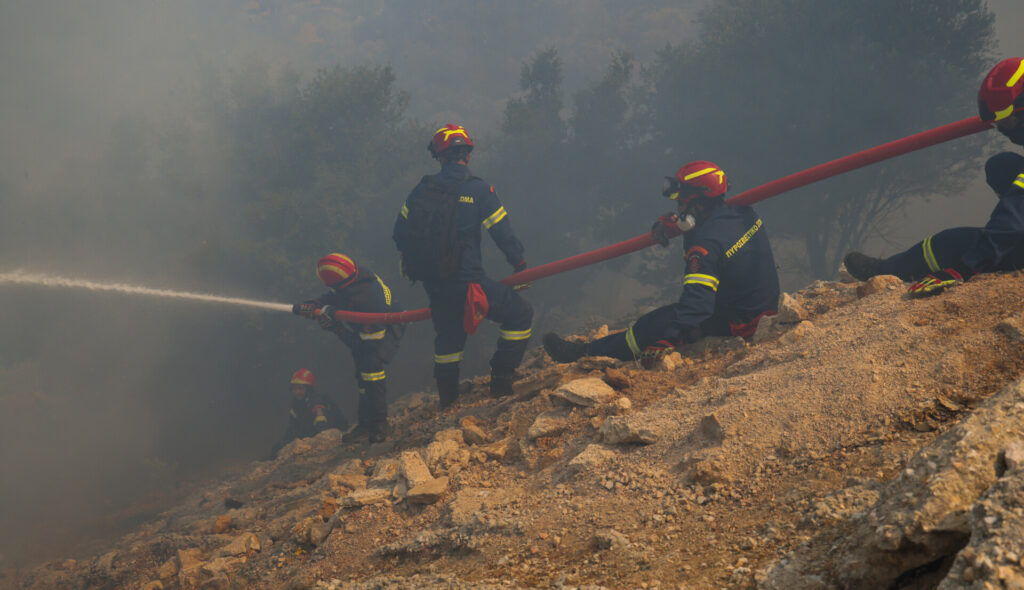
(476, 308)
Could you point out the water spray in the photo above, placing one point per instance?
(19, 277)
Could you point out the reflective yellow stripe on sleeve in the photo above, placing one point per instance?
(444, 359)
(515, 334)
(405, 212)
(372, 335)
(494, 218)
(929, 256)
(1019, 181)
(379, 376)
(387, 292)
(698, 279)
(631, 342)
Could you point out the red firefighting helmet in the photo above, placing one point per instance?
(1002, 91)
(336, 270)
(696, 179)
(447, 137)
(303, 377)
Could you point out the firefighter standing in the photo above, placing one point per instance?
(355, 288)
(955, 255)
(729, 285)
(438, 233)
(310, 413)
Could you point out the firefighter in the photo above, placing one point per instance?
(438, 233)
(955, 255)
(729, 285)
(310, 413)
(356, 288)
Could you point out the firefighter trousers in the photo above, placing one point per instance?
(940, 251)
(369, 357)
(505, 307)
(651, 327)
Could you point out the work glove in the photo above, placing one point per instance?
(320, 423)
(655, 352)
(326, 317)
(306, 309)
(658, 230)
(935, 283)
(520, 268)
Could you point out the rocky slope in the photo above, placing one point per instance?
(862, 440)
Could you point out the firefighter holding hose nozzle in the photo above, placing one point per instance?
(730, 281)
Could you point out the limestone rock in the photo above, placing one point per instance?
(351, 467)
(168, 570)
(413, 469)
(497, 450)
(343, 482)
(600, 332)
(670, 362)
(801, 332)
(791, 311)
(445, 453)
(472, 433)
(221, 525)
(879, 284)
(596, 363)
(452, 434)
(154, 585)
(385, 473)
(548, 424)
(622, 405)
(619, 430)
(428, 492)
(240, 545)
(588, 392)
(106, 563)
(616, 378)
(610, 539)
(1013, 456)
(469, 502)
(220, 566)
(591, 458)
(189, 562)
(767, 329)
(366, 497)
(711, 428)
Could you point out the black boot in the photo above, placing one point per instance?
(378, 432)
(563, 351)
(862, 267)
(448, 391)
(358, 434)
(501, 384)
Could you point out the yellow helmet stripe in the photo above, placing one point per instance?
(1000, 115)
(699, 173)
(1016, 76)
(1020, 181)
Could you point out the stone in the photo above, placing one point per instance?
(344, 482)
(711, 428)
(472, 433)
(1013, 456)
(220, 566)
(588, 392)
(548, 424)
(1013, 328)
(670, 362)
(366, 497)
(790, 310)
(497, 450)
(600, 333)
(154, 585)
(610, 539)
(591, 458)
(596, 363)
(189, 562)
(622, 405)
(802, 331)
(168, 570)
(240, 545)
(221, 525)
(452, 434)
(413, 469)
(469, 502)
(106, 562)
(428, 492)
(879, 284)
(618, 430)
(444, 452)
(766, 329)
(616, 378)
(385, 474)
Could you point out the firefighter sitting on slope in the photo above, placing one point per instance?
(438, 233)
(729, 285)
(310, 413)
(955, 255)
(355, 288)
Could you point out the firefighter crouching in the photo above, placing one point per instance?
(955, 255)
(438, 233)
(310, 413)
(355, 288)
(729, 285)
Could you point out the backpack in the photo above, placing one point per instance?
(431, 248)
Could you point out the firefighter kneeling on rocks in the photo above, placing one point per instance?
(310, 413)
(955, 255)
(729, 285)
(358, 289)
(438, 233)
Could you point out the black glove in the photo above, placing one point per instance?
(520, 268)
(326, 317)
(658, 230)
(936, 283)
(306, 309)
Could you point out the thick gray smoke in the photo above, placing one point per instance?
(115, 167)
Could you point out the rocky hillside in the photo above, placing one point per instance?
(862, 440)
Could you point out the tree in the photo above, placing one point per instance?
(772, 87)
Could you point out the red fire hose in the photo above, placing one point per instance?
(820, 172)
